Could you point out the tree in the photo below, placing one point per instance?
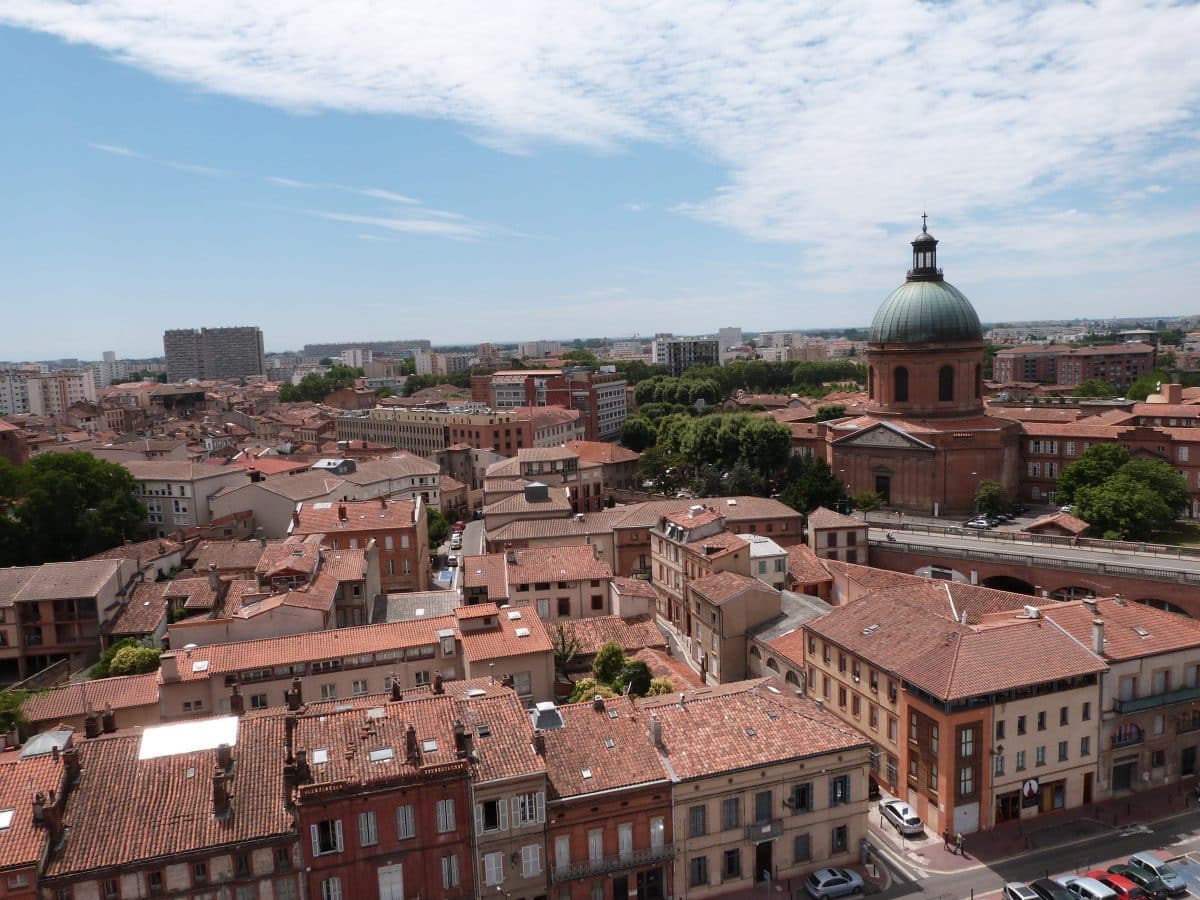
(659, 687)
(828, 411)
(439, 528)
(766, 445)
(566, 646)
(327, 360)
(1147, 385)
(587, 688)
(609, 662)
(1093, 388)
(811, 483)
(638, 433)
(1162, 479)
(742, 481)
(868, 501)
(10, 480)
(634, 679)
(1122, 508)
(134, 661)
(991, 498)
(101, 669)
(11, 714)
(385, 391)
(1098, 462)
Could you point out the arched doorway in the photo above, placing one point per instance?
(1010, 583)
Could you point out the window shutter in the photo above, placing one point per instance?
(502, 813)
(536, 857)
(316, 840)
(516, 812)
(479, 818)
(337, 828)
(541, 806)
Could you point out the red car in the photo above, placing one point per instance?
(1124, 888)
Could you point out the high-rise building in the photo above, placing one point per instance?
(728, 338)
(44, 393)
(214, 353)
(681, 353)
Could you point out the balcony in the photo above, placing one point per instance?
(1120, 741)
(764, 831)
(1153, 701)
(608, 865)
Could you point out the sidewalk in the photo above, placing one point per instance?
(1052, 829)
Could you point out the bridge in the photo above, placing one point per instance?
(1166, 577)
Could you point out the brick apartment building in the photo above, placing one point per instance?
(1058, 364)
(426, 431)
(555, 583)
(599, 397)
(214, 353)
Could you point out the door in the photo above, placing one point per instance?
(764, 866)
(1187, 765)
(1087, 785)
(966, 818)
(650, 885)
(883, 487)
(620, 887)
(1122, 774)
(1008, 806)
(391, 882)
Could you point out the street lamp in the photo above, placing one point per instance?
(975, 476)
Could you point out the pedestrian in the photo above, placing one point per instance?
(958, 840)
(946, 838)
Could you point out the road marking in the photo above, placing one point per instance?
(1134, 830)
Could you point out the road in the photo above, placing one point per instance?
(1170, 838)
(1047, 554)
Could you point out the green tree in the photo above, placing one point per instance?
(634, 679)
(385, 391)
(566, 646)
(439, 528)
(327, 360)
(1162, 479)
(1147, 385)
(868, 501)
(742, 481)
(1094, 388)
(1098, 462)
(638, 433)
(811, 483)
(580, 357)
(10, 481)
(609, 662)
(635, 371)
(102, 667)
(766, 445)
(588, 688)
(660, 687)
(828, 411)
(134, 661)
(1122, 508)
(991, 498)
(11, 713)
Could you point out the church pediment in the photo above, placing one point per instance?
(884, 435)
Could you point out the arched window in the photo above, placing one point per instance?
(978, 381)
(900, 384)
(754, 653)
(870, 382)
(772, 665)
(791, 678)
(946, 384)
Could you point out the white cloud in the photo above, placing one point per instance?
(115, 150)
(380, 194)
(835, 122)
(194, 169)
(290, 182)
(407, 224)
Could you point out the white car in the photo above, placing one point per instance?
(1015, 890)
(900, 814)
(456, 541)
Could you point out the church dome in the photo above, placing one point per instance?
(920, 312)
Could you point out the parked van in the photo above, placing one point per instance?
(1151, 864)
(1087, 888)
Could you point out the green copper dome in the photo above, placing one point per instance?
(921, 312)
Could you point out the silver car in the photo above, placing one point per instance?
(833, 883)
(900, 814)
(1015, 890)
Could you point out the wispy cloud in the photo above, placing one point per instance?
(833, 123)
(115, 150)
(406, 224)
(381, 194)
(290, 182)
(194, 169)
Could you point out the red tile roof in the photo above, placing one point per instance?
(503, 640)
(507, 750)
(595, 751)
(143, 613)
(22, 843)
(717, 545)
(1065, 521)
(75, 699)
(344, 565)
(634, 587)
(602, 452)
(805, 567)
(365, 515)
(631, 634)
(724, 586)
(1165, 632)
(663, 665)
(827, 518)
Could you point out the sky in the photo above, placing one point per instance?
(468, 171)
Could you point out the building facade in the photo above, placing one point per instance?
(214, 353)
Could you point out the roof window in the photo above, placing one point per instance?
(429, 745)
(320, 756)
(383, 754)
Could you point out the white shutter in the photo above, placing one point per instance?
(316, 840)
(562, 851)
(535, 855)
(541, 806)
(337, 829)
(516, 812)
(656, 833)
(526, 861)
(502, 809)
(479, 818)
(391, 882)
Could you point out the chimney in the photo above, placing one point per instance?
(383, 502)
(682, 700)
(1098, 636)
(962, 617)
(296, 519)
(1091, 605)
(820, 702)
(296, 695)
(510, 556)
(262, 542)
(224, 757)
(396, 694)
(437, 683)
(91, 725)
(39, 808)
(214, 577)
(1173, 393)
(656, 732)
(169, 666)
(291, 781)
(71, 763)
(460, 737)
(303, 772)
(220, 793)
(237, 704)
(539, 743)
(342, 512)
(108, 721)
(51, 816)
(289, 736)
(411, 748)
(598, 703)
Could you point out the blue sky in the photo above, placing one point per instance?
(526, 170)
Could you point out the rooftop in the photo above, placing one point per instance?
(362, 515)
(599, 750)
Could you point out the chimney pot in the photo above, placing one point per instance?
(438, 685)
(91, 726)
(237, 703)
(224, 757)
(1098, 636)
(656, 732)
(396, 693)
(539, 743)
(220, 793)
(682, 699)
(412, 748)
(598, 703)
(342, 512)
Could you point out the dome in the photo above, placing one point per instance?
(921, 312)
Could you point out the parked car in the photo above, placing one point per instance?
(1068, 509)
(1014, 890)
(1050, 890)
(902, 817)
(1019, 509)
(977, 523)
(833, 883)
(1087, 888)
(1152, 885)
(1120, 885)
(456, 541)
(1153, 865)
(459, 526)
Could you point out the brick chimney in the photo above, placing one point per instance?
(460, 737)
(71, 764)
(382, 502)
(303, 772)
(295, 697)
(220, 793)
(214, 577)
(169, 666)
(397, 694)
(1098, 636)
(342, 517)
(411, 747)
(656, 732)
(224, 757)
(438, 687)
(289, 736)
(539, 743)
(598, 703)
(48, 812)
(237, 703)
(296, 519)
(91, 725)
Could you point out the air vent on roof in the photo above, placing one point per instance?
(191, 772)
(484, 730)
(429, 745)
(476, 692)
(750, 732)
(1140, 631)
(771, 714)
(871, 629)
(587, 773)
(383, 754)
(200, 666)
(609, 743)
(513, 616)
(321, 755)
(1032, 612)
(522, 632)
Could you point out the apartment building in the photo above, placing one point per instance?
(214, 353)
(599, 396)
(425, 432)
(766, 785)
(689, 545)
(39, 770)
(835, 536)
(932, 673)
(125, 795)
(272, 501)
(724, 606)
(1059, 364)
(399, 529)
(178, 494)
(558, 467)
(679, 354)
(13, 446)
(44, 393)
(610, 825)
(556, 583)
(768, 561)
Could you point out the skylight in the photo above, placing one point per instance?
(322, 506)
(612, 714)
(522, 632)
(1140, 631)
(871, 629)
(376, 712)
(587, 773)
(321, 755)
(513, 616)
(200, 666)
(429, 745)
(6, 818)
(476, 692)
(750, 732)
(609, 743)
(484, 730)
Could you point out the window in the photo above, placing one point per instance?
(1158, 759)
(1000, 729)
(329, 692)
(802, 798)
(801, 848)
(966, 781)
(839, 790)
(258, 701)
(597, 890)
(1039, 755)
(731, 814)
(900, 385)
(246, 892)
(1062, 751)
(493, 868)
(450, 876)
(1041, 721)
(531, 860)
(840, 840)
(1086, 715)
(199, 873)
(698, 871)
(597, 602)
(946, 384)
(359, 687)
(731, 865)
(697, 822)
(893, 728)
(999, 767)
(872, 715)
(522, 684)
(562, 852)
(762, 807)
(285, 889)
(111, 891)
(445, 815)
(912, 726)
(283, 859)
(368, 833)
(406, 823)
(856, 706)
(1020, 724)
(331, 889)
(421, 678)
(1020, 760)
(529, 808)
(934, 734)
(326, 837)
(1085, 746)
(596, 845)
(966, 743)
(1064, 717)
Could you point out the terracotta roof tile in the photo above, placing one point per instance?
(227, 556)
(595, 751)
(663, 665)
(827, 518)
(143, 613)
(290, 557)
(344, 565)
(634, 587)
(805, 567)
(22, 843)
(506, 751)
(1165, 632)
(631, 634)
(365, 515)
(717, 545)
(602, 452)
(1066, 521)
(505, 639)
(557, 501)
(75, 699)
(724, 586)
